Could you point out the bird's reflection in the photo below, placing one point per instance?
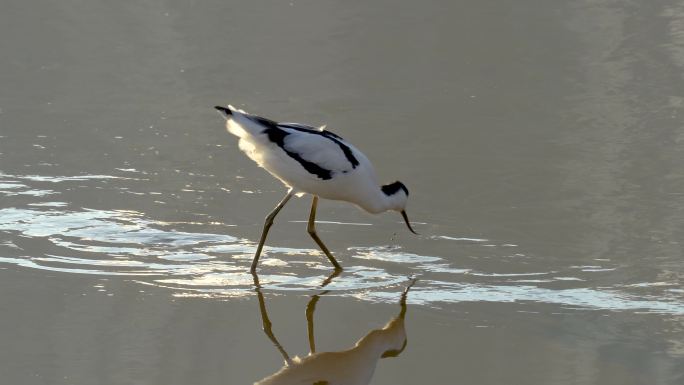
(352, 366)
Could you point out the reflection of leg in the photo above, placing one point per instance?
(332, 276)
(266, 322)
(311, 308)
(267, 226)
(311, 228)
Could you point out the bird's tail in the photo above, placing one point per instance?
(240, 123)
(227, 112)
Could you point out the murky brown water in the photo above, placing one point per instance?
(541, 142)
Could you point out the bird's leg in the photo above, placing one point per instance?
(267, 226)
(311, 229)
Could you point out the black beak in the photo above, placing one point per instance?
(225, 111)
(408, 224)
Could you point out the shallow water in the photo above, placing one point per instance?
(541, 144)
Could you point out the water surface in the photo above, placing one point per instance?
(541, 143)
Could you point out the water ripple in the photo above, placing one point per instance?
(196, 262)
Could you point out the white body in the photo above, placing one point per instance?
(358, 185)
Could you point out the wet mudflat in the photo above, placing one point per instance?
(541, 143)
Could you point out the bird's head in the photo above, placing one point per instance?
(397, 198)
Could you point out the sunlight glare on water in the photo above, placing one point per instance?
(128, 243)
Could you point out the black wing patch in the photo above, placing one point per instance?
(326, 134)
(261, 120)
(277, 136)
(309, 129)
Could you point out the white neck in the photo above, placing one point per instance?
(376, 201)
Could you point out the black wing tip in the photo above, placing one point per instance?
(224, 110)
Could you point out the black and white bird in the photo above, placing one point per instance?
(310, 160)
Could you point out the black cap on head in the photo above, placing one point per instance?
(392, 188)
